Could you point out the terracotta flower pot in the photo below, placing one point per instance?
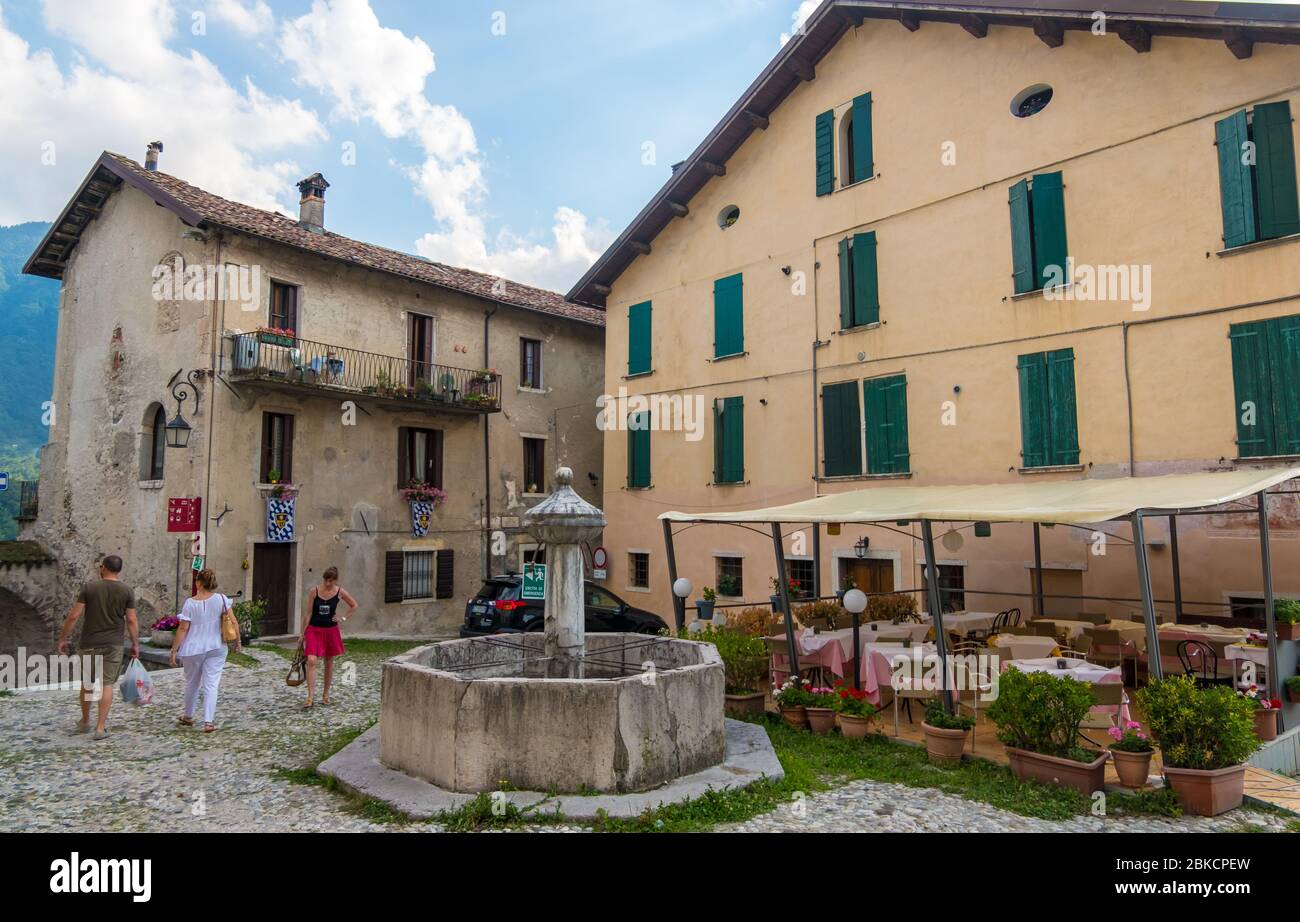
(1293, 695)
(795, 717)
(753, 703)
(1208, 793)
(1288, 631)
(854, 728)
(1084, 777)
(1133, 768)
(1266, 724)
(944, 746)
(820, 720)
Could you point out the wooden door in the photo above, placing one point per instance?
(870, 575)
(273, 581)
(420, 348)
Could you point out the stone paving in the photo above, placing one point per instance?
(151, 774)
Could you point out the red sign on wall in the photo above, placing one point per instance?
(185, 513)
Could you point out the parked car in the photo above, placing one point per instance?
(498, 609)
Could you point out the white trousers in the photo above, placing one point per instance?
(203, 672)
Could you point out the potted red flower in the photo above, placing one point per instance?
(1266, 711)
(1131, 751)
(853, 711)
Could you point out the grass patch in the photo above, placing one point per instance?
(367, 808)
(6, 693)
(288, 653)
(383, 648)
(242, 659)
(1147, 802)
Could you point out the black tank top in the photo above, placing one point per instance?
(322, 613)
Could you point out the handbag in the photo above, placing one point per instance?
(298, 671)
(229, 626)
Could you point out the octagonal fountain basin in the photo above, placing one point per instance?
(471, 715)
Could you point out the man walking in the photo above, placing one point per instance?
(109, 607)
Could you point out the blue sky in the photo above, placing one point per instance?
(472, 146)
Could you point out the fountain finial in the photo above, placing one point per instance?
(564, 476)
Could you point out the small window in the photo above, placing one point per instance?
(284, 307)
(153, 443)
(530, 554)
(417, 576)
(638, 570)
(728, 216)
(731, 577)
(799, 573)
(530, 364)
(534, 465)
(952, 585)
(277, 448)
(419, 454)
(1031, 100)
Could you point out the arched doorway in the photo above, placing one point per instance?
(21, 625)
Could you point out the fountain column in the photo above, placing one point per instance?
(562, 522)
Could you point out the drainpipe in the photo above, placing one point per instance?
(487, 454)
(218, 324)
(1128, 395)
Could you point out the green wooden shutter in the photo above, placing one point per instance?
(1033, 409)
(1279, 211)
(638, 339)
(846, 285)
(841, 430)
(729, 440)
(1022, 238)
(638, 450)
(825, 136)
(728, 316)
(896, 406)
(1284, 364)
(863, 162)
(866, 285)
(1252, 385)
(1063, 432)
(1236, 180)
(884, 402)
(1048, 209)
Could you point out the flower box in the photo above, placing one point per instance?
(275, 339)
(1208, 793)
(162, 638)
(1287, 631)
(753, 703)
(1084, 777)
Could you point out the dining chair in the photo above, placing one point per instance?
(1044, 628)
(1081, 646)
(1104, 694)
(1200, 661)
(1013, 617)
(975, 686)
(1109, 647)
(1022, 630)
(1092, 617)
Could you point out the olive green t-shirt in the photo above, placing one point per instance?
(106, 602)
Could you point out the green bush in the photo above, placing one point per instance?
(1199, 728)
(1286, 611)
(823, 614)
(249, 613)
(1293, 686)
(1041, 713)
(889, 607)
(744, 658)
(940, 719)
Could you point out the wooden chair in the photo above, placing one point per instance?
(975, 684)
(1092, 617)
(1104, 694)
(1022, 630)
(1044, 629)
(1199, 660)
(1109, 648)
(779, 647)
(1079, 648)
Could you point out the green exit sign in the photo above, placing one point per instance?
(534, 581)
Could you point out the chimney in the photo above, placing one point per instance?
(311, 208)
(151, 156)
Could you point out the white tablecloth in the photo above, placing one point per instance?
(1245, 652)
(1067, 626)
(963, 622)
(883, 630)
(1023, 646)
(1077, 669)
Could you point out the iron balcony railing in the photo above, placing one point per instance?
(27, 500)
(286, 361)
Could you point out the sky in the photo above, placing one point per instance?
(517, 137)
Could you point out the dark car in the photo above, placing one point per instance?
(498, 609)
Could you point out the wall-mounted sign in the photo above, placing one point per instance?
(4, 481)
(599, 560)
(279, 520)
(197, 565)
(534, 581)
(185, 513)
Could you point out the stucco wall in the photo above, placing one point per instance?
(1133, 135)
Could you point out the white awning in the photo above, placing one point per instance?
(1064, 502)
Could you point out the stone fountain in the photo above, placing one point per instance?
(557, 711)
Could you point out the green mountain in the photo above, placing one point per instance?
(29, 310)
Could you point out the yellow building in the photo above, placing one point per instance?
(957, 243)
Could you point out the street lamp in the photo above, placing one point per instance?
(855, 603)
(861, 547)
(177, 429)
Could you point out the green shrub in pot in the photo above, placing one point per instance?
(1199, 728)
(1039, 712)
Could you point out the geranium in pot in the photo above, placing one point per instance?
(853, 710)
(1131, 752)
(821, 710)
(1205, 736)
(945, 734)
(1038, 717)
(792, 699)
(1266, 711)
(1293, 689)
(1286, 619)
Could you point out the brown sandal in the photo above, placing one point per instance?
(209, 728)
(185, 721)
(309, 705)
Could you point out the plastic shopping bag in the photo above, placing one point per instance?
(136, 686)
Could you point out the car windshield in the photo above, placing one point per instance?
(498, 592)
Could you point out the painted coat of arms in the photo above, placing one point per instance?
(279, 519)
(421, 516)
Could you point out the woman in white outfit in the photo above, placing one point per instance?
(199, 647)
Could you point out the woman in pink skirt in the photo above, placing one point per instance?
(321, 639)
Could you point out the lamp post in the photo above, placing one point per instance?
(855, 602)
(178, 430)
(682, 590)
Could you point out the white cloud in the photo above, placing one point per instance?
(376, 73)
(126, 87)
(799, 17)
(250, 18)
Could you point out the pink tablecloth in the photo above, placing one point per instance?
(878, 664)
(831, 650)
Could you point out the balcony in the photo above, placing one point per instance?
(296, 365)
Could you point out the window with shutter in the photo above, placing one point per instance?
(1022, 238)
(1236, 179)
(638, 450)
(1039, 249)
(277, 447)
(841, 430)
(445, 574)
(859, 283)
(825, 148)
(884, 401)
(1266, 381)
(638, 339)
(729, 440)
(860, 159)
(728, 316)
(394, 565)
(1048, 416)
(1279, 212)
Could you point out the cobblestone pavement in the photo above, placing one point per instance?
(151, 774)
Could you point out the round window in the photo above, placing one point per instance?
(728, 216)
(1031, 100)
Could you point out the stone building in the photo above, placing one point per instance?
(342, 370)
(851, 275)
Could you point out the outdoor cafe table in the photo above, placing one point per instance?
(883, 630)
(830, 650)
(878, 664)
(1246, 653)
(964, 622)
(1080, 671)
(1070, 628)
(1205, 632)
(1022, 646)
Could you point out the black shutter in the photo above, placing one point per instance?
(403, 457)
(435, 458)
(286, 470)
(446, 570)
(393, 576)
